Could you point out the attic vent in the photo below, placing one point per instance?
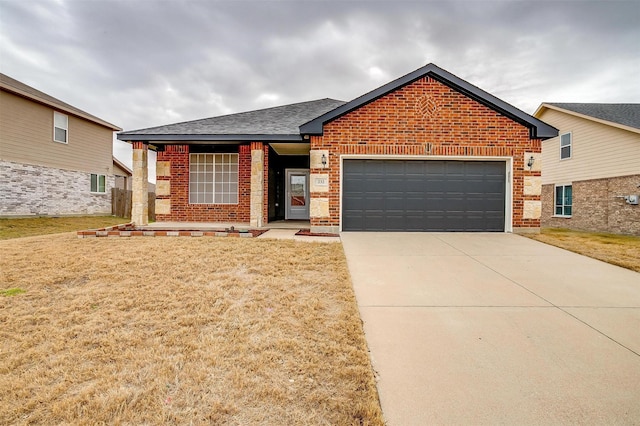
(427, 107)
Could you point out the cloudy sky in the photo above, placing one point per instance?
(143, 63)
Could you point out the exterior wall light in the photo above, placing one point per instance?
(530, 162)
(324, 161)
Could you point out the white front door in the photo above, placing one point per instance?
(297, 194)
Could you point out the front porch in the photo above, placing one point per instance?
(257, 185)
(249, 169)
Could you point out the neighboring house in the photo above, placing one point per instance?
(591, 167)
(425, 152)
(54, 158)
(122, 175)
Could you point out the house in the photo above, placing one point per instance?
(426, 152)
(122, 175)
(591, 171)
(55, 159)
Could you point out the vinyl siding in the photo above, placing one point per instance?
(119, 171)
(598, 150)
(26, 136)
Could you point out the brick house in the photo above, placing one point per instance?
(591, 167)
(425, 152)
(55, 159)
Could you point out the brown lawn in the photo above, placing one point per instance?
(180, 331)
(16, 228)
(621, 250)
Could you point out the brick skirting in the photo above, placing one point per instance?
(597, 206)
(128, 230)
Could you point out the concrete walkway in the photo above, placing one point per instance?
(290, 234)
(496, 329)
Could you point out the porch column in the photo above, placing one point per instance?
(140, 187)
(257, 184)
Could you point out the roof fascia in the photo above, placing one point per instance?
(544, 106)
(77, 113)
(131, 137)
(538, 129)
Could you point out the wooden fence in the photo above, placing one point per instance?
(121, 203)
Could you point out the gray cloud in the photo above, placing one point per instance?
(145, 63)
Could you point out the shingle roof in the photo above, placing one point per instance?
(291, 122)
(277, 123)
(16, 87)
(625, 114)
(537, 128)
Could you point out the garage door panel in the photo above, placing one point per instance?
(392, 185)
(455, 168)
(423, 195)
(415, 167)
(373, 204)
(414, 185)
(394, 168)
(416, 204)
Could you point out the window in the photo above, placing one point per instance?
(213, 179)
(564, 200)
(565, 146)
(60, 127)
(98, 183)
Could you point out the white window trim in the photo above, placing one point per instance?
(213, 182)
(66, 129)
(97, 175)
(570, 146)
(554, 200)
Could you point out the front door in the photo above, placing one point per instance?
(297, 194)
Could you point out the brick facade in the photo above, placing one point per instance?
(29, 189)
(596, 206)
(177, 176)
(426, 118)
(177, 156)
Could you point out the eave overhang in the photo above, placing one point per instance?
(59, 106)
(133, 137)
(544, 106)
(537, 128)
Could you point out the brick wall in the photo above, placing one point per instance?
(182, 211)
(595, 206)
(426, 117)
(28, 189)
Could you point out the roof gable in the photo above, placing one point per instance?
(623, 116)
(122, 166)
(20, 89)
(537, 128)
(277, 123)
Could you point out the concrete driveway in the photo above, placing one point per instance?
(496, 329)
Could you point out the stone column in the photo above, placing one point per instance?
(532, 185)
(257, 184)
(140, 187)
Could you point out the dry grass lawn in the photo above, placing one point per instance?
(621, 250)
(16, 228)
(180, 331)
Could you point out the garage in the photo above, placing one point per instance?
(423, 195)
